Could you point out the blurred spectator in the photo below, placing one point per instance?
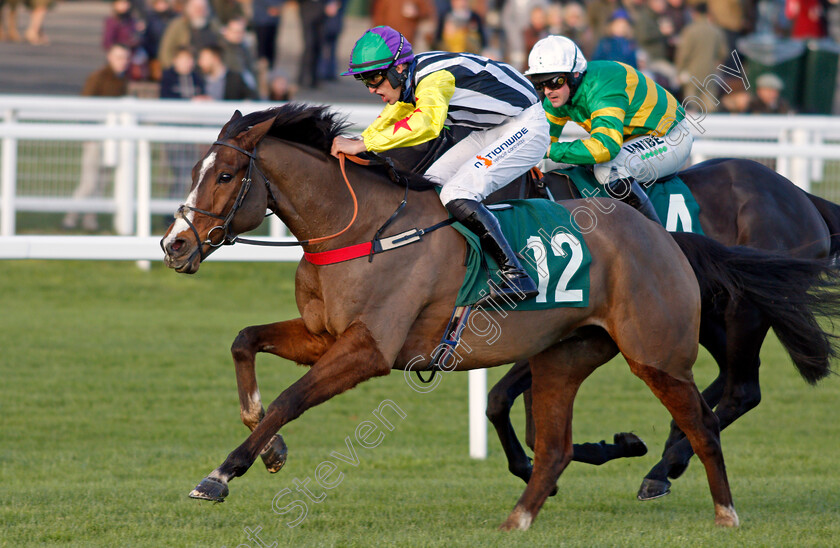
(598, 15)
(515, 19)
(576, 28)
(731, 16)
(404, 15)
(460, 29)
(768, 99)
(702, 46)
(554, 18)
(123, 28)
(537, 28)
(678, 14)
(646, 30)
(182, 80)
(8, 21)
(328, 65)
(313, 16)
(108, 81)
(617, 44)
(279, 87)
(265, 20)
(736, 101)
(236, 54)
(833, 19)
(808, 17)
(770, 18)
(221, 83)
(194, 28)
(225, 10)
(157, 20)
(34, 33)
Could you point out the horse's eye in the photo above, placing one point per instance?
(225, 178)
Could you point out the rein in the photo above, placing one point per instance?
(376, 245)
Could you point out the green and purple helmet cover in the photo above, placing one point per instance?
(379, 49)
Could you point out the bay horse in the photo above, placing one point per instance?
(358, 321)
(742, 203)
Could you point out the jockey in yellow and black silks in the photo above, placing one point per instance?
(503, 131)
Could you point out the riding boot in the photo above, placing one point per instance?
(515, 285)
(633, 196)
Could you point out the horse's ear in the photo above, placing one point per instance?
(249, 139)
(236, 116)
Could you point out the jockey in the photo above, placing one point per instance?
(502, 127)
(637, 130)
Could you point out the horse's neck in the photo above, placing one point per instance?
(313, 199)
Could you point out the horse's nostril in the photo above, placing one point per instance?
(176, 245)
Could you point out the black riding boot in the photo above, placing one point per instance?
(633, 196)
(516, 284)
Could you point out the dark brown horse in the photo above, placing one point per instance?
(358, 321)
(741, 203)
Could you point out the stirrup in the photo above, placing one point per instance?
(510, 291)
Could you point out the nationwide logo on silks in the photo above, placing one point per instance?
(502, 150)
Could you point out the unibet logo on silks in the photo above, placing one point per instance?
(497, 153)
(650, 144)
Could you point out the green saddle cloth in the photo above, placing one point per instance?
(553, 250)
(671, 199)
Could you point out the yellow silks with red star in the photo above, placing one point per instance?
(406, 124)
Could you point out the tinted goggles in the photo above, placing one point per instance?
(551, 84)
(371, 79)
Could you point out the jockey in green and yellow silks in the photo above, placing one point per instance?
(637, 132)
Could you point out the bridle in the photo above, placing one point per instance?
(227, 239)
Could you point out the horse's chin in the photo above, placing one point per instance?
(185, 265)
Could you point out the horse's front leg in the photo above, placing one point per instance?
(290, 340)
(353, 358)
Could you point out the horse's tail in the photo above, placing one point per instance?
(790, 293)
(831, 215)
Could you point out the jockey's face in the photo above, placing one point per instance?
(386, 91)
(559, 97)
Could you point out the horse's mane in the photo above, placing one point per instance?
(312, 125)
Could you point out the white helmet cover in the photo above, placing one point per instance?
(555, 54)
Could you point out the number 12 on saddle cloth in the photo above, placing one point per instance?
(552, 249)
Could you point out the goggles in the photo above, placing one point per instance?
(552, 84)
(371, 79)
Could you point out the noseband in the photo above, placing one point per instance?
(226, 219)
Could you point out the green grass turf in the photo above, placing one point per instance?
(118, 395)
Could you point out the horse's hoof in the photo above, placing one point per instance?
(210, 489)
(631, 444)
(274, 454)
(653, 489)
(519, 519)
(725, 516)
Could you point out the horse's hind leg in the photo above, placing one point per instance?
(557, 374)
(733, 393)
(696, 419)
(499, 401)
(290, 340)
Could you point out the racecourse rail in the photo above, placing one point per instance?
(41, 141)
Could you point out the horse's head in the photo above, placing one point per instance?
(228, 196)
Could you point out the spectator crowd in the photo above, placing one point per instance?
(228, 49)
